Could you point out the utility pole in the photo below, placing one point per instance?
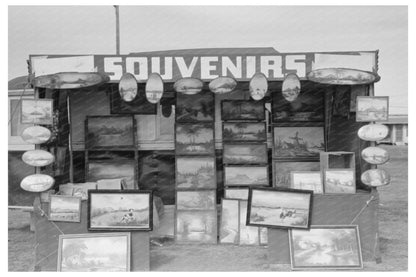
(117, 30)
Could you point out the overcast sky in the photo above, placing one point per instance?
(91, 30)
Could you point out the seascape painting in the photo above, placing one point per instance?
(242, 110)
(240, 193)
(280, 208)
(195, 108)
(246, 176)
(195, 172)
(307, 180)
(196, 200)
(326, 247)
(245, 153)
(372, 108)
(340, 181)
(112, 169)
(64, 208)
(85, 252)
(37, 111)
(116, 210)
(229, 227)
(244, 131)
(194, 139)
(249, 235)
(198, 227)
(298, 142)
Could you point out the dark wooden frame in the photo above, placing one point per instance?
(197, 96)
(224, 118)
(197, 188)
(386, 98)
(226, 162)
(67, 197)
(245, 140)
(238, 220)
(36, 100)
(241, 185)
(277, 190)
(126, 192)
(207, 125)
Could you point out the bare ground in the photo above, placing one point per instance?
(393, 217)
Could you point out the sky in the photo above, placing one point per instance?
(91, 30)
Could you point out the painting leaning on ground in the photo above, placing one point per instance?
(64, 208)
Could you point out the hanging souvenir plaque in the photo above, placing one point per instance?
(188, 86)
(70, 80)
(291, 87)
(373, 132)
(154, 88)
(38, 158)
(258, 86)
(127, 87)
(222, 85)
(37, 182)
(375, 155)
(375, 177)
(36, 134)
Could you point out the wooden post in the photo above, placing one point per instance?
(117, 30)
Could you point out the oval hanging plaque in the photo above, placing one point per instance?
(37, 183)
(38, 158)
(342, 76)
(154, 88)
(373, 132)
(375, 177)
(375, 155)
(222, 85)
(70, 80)
(258, 86)
(291, 87)
(189, 86)
(127, 87)
(36, 134)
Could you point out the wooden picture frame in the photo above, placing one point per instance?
(195, 108)
(64, 208)
(282, 169)
(245, 153)
(240, 175)
(229, 232)
(36, 111)
(307, 180)
(244, 132)
(194, 139)
(90, 246)
(279, 208)
(242, 110)
(305, 244)
(339, 181)
(195, 172)
(372, 108)
(120, 210)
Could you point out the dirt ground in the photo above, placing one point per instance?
(393, 218)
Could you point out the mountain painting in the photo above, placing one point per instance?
(244, 131)
(246, 176)
(195, 108)
(194, 139)
(245, 153)
(195, 172)
(298, 142)
(110, 132)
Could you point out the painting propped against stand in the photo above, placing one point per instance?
(245, 153)
(244, 131)
(198, 227)
(242, 110)
(195, 172)
(194, 139)
(195, 108)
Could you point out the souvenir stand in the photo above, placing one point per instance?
(174, 125)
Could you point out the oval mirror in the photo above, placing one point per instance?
(376, 177)
(375, 155)
(188, 86)
(222, 85)
(36, 134)
(37, 182)
(291, 87)
(154, 88)
(373, 132)
(38, 158)
(258, 86)
(127, 87)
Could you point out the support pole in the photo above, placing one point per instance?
(117, 30)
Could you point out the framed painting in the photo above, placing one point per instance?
(123, 210)
(37, 111)
(279, 208)
(230, 221)
(194, 139)
(249, 235)
(308, 106)
(253, 153)
(110, 132)
(294, 142)
(112, 169)
(195, 108)
(282, 169)
(196, 200)
(240, 193)
(138, 105)
(246, 175)
(372, 108)
(307, 180)
(244, 131)
(196, 227)
(196, 173)
(340, 181)
(325, 247)
(64, 208)
(85, 252)
(242, 110)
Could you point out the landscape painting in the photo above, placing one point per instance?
(372, 108)
(230, 224)
(110, 132)
(195, 172)
(101, 252)
(249, 235)
(112, 169)
(242, 110)
(245, 153)
(37, 111)
(120, 210)
(240, 193)
(195, 108)
(64, 208)
(196, 200)
(307, 180)
(340, 181)
(326, 247)
(298, 142)
(246, 175)
(196, 227)
(282, 169)
(194, 139)
(244, 131)
(279, 208)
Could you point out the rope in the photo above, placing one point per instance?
(53, 223)
(363, 208)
